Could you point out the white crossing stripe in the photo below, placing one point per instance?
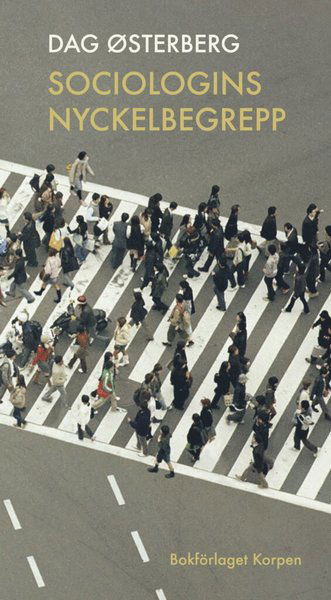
(12, 514)
(160, 594)
(317, 473)
(154, 350)
(140, 546)
(3, 177)
(285, 391)
(35, 570)
(107, 300)
(201, 334)
(116, 490)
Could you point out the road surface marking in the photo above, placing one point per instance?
(160, 594)
(12, 514)
(35, 571)
(140, 546)
(117, 492)
(318, 473)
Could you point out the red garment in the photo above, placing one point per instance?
(42, 354)
(82, 339)
(101, 392)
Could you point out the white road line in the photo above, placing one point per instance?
(12, 514)
(201, 335)
(36, 573)
(222, 480)
(285, 391)
(318, 472)
(160, 594)
(140, 546)
(41, 409)
(116, 490)
(154, 350)
(124, 195)
(3, 176)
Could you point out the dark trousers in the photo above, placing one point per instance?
(311, 285)
(81, 432)
(17, 413)
(220, 298)
(180, 395)
(294, 299)
(82, 360)
(324, 264)
(31, 256)
(195, 452)
(190, 270)
(281, 283)
(159, 304)
(117, 256)
(217, 396)
(301, 436)
(271, 292)
(240, 274)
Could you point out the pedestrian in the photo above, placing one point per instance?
(213, 201)
(105, 210)
(106, 388)
(59, 232)
(84, 313)
(324, 247)
(312, 273)
(320, 391)
(8, 372)
(18, 400)
(38, 185)
(78, 173)
(80, 238)
(260, 464)
(120, 241)
(235, 364)
(281, 266)
(43, 360)
(135, 241)
(231, 227)
(291, 245)
(181, 380)
(50, 274)
(270, 272)
(19, 278)
(92, 210)
(138, 314)
(122, 338)
(248, 247)
(324, 336)
(270, 398)
(83, 418)
(48, 221)
(30, 239)
(206, 417)
(159, 285)
(155, 210)
(222, 380)
(69, 262)
(238, 406)
(303, 422)
(180, 322)
(163, 443)
(192, 245)
(167, 223)
(149, 263)
(310, 227)
(195, 438)
(141, 424)
(304, 394)
(4, 208)
(220, 278)
(269, 231)
(299, 290)
(201, 224)
(187, 293)
(31, 335)
(146, 223)
(238, 264)
(215, 245)
(239, 338)
(57, 381)
(81, 352)
(155, 387)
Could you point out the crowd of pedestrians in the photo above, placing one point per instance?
(293, 265)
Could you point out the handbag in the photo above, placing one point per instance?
(173, 251)
(54, 243)
(228, 398)
(89, 244)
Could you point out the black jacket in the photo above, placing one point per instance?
(223, 383)
(19, 273)
(231, 228)
(194, 436)
(30, 236)
(206, 417)
(68, 260)
(318, 387)
(239, 396)
(166, 223)
(269, 228)
(216, 242)
(292, 242)
(142, 422)
(309, 230)
(240, 340)
(221, 278)
(138, 311)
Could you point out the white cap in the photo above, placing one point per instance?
(23, 317)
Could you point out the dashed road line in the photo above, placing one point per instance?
(12, 514)
(116, 490)
(140, 546)
(35, 570)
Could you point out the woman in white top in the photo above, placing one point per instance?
(51, 273)
(4, 201)
(146, 222)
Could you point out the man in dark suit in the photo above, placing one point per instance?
(19, 278)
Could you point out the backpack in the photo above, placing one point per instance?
(32, 331)
(3, 246)
(34, 182)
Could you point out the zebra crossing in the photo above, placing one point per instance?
(277, 345)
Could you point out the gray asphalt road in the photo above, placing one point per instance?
(81, 538)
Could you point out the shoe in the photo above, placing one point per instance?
(81, 371)
(313, 295)
(263, 485)
(239, 477)
(155, 420)
(167, 344)
(266, 298)
(46, 399)
(221, 309)
(327, 417)
(305, 312)
(316, 453)
(315, 409)
(170, 475)
(165, 310)
(141, 454)
(31, 301)
(93, 438)
(38, 292)
(286, 310)
(170, 407)
(149, 339)
(203, 269)
(242, 286)
(153, 469)
(284, 291)
(17, 425)
(241, 422)
(190, 343)
(91, 340)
